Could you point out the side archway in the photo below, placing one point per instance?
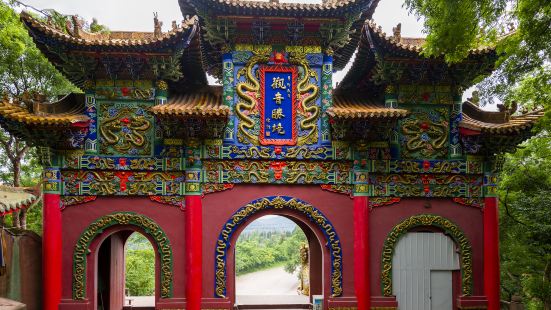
(148, 226)
(278, 202)
(449, 228)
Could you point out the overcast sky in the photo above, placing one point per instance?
(137, 15)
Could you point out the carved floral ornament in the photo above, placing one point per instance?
(462, 242)
(150, 228)
(275, 203)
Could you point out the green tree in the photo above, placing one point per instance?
(525, 190)
(520, 29)
(140, 266)
(24, 74)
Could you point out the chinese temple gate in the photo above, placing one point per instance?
(390, 157)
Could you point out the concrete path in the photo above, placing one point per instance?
(265, 287)
(270, 286)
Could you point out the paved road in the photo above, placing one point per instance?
(270, 286)
(274, 281)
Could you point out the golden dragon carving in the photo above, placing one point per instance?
(305, 87)
(112, 130)
(248, 100)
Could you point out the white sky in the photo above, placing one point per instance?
(137, 15)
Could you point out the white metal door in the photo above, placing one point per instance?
(441, 290)
(416, 254)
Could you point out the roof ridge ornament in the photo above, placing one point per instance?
(397, 33)
(157, 25)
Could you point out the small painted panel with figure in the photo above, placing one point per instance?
(278, 105)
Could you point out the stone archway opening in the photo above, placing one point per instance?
(139, 259)
(316, 226)
(126, 272)
(278, 260)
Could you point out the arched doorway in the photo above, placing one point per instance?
(139, 259)
(101, 247)
(425, 271)
(322, 238)
(426, 263)
(286, 259)
(115, 288)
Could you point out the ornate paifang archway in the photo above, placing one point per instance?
(278, 202)
(148, 226)
(450, 228)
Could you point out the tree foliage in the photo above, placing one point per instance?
(526, 223)
(519, 29)
(258, 251)
(140, 266)
(25, 75)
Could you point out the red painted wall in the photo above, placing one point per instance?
(219, 207)
(76, 218)
(383, 219)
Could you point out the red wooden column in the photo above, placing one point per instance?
(51, 244)
(194, 247)
(491, 253)
(361, 252)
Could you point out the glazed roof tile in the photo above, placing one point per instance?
(204, 103)
(497, 122)
(413, 44)
(65, 112)
(113, 39)
(407, 52)
(326, 8)
(15, 198)
(355, 108)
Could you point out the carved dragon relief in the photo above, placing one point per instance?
(249, 99)
(125, 130)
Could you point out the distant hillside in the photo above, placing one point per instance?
(270, 224)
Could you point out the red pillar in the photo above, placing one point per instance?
(361, 252)
(51, 251)
(194, 248)
(491, 253)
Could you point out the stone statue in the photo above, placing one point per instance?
(304, 271)
(157, 30)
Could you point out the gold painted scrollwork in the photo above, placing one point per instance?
(121, 218)
(307, 92)
(449, 227)
(249, 93)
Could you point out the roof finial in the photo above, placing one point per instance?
(397, 33)
(157, 30)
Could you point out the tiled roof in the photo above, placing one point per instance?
(413, 44)
(274, 7)
(496, 122)
(355, 108)
(113, 39)
(15, 198)
(65, 112)
(204, 103)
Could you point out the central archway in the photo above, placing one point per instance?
(279, 205)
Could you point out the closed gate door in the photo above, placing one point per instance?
(441, 290)
(422, 271)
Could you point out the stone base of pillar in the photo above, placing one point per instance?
(384, 303)
(472, 302)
